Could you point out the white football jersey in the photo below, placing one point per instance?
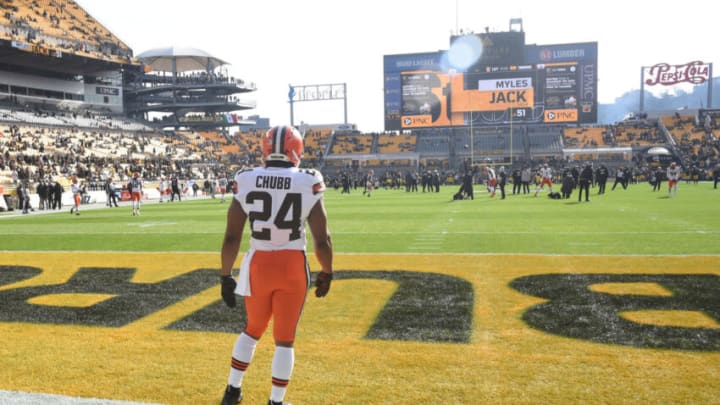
(137, 185)
(673, 173)
(491, 174)
(546, 172)
(278, 201)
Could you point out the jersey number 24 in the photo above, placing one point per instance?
(291, 204)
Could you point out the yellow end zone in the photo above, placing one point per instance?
(506, 360)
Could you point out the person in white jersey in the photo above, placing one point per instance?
(545, 178)
(673, 176)
(491, 180)
(136, 190)
(75, 189)
(277, 200)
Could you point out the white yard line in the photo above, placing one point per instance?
(31, 398)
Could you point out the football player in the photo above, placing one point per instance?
(276, 201)
(75, 189)
(545, 178)
(136, 189)
(673, 176)
(369, 182)
(491, 180)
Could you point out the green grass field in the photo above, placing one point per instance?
(633, 221)
(518, 301)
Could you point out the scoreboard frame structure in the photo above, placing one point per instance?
(549, 84)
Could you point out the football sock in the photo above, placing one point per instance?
(282, 367)
(243, 352)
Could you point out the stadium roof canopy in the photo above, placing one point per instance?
(658, 150)
(179, 59)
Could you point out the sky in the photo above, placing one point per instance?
(275, 43)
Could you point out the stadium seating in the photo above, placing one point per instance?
(348, 144)
(391, 143)
(61, 25)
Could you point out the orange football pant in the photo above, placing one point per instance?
(279, 283)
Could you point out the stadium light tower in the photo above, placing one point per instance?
(516, 24)
(472, 138)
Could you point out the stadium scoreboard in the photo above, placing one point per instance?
(547, 84)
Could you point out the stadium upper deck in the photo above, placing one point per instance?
(57, 28)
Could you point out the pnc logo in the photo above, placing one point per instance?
(561, 115)
(417, 121)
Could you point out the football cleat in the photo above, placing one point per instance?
(232, 395)
(271, 402)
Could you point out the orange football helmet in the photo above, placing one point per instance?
(283, 143)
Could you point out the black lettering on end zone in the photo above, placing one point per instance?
(575, 311)
(130, 301)
(426, 307)
(13, 274)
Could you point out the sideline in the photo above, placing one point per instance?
(94, 206)
(29, 398)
